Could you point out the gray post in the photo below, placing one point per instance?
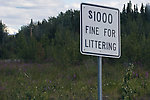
(99, 78)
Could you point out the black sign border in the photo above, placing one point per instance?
(81, 37)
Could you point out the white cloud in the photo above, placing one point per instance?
(72, 6)
(11, 31)
(16, 13)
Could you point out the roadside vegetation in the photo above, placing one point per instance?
(43, 62)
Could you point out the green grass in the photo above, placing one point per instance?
(31, 81)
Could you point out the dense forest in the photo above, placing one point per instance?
(56, 39)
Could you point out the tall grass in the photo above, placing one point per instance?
(31, 81)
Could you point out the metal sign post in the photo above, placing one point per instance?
(99, 78)
(100, 34)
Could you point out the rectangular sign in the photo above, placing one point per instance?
(100, 31)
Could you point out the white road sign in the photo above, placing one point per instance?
(99, 31)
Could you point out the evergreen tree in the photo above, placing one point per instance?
(124, 9)
(142, 12)
(57, 38)
(1, 33)
(129, 7)
(147, 12)
(142, 9)
(31, 27)
(135, 11)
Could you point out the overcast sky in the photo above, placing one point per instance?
(16, 13)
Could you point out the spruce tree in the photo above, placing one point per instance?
(147, 12)
(129, 7)
(142, 9)
(1, 33)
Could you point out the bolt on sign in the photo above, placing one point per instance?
(100, 31)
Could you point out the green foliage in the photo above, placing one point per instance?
(65, 48)
(21, 81)
(128, 93)
(46, 82)
(134, 84)
(1, 33)
(21, 46)
(57, 38)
